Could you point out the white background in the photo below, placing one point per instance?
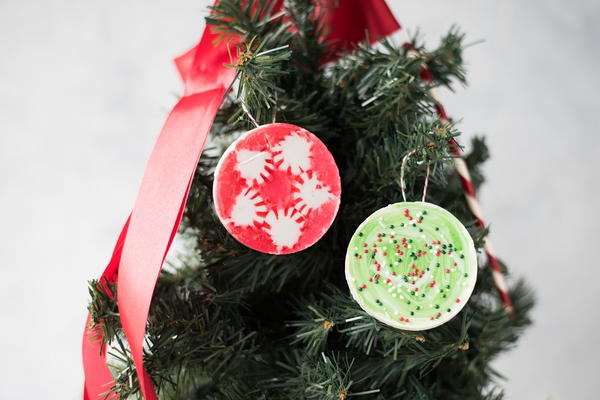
(85, 87)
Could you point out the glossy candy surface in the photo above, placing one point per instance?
(411, 265)
(277, 189)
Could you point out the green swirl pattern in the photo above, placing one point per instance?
(411, 265)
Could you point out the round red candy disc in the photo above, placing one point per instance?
(277, 189)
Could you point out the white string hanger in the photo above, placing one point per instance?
(403, 183)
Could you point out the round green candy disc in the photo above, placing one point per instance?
(411, 265)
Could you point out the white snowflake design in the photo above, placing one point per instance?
(248, 208)
(293, 153)
(254, 165)
(311, 193)
(284, 229)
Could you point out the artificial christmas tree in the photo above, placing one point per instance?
(233, 323)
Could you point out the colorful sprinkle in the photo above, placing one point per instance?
(429, 272)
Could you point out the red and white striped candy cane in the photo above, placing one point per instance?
(465, 178)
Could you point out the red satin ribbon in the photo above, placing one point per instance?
(148, 233)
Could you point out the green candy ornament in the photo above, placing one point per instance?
(411, 265)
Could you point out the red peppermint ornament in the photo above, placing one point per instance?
(277, 189)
